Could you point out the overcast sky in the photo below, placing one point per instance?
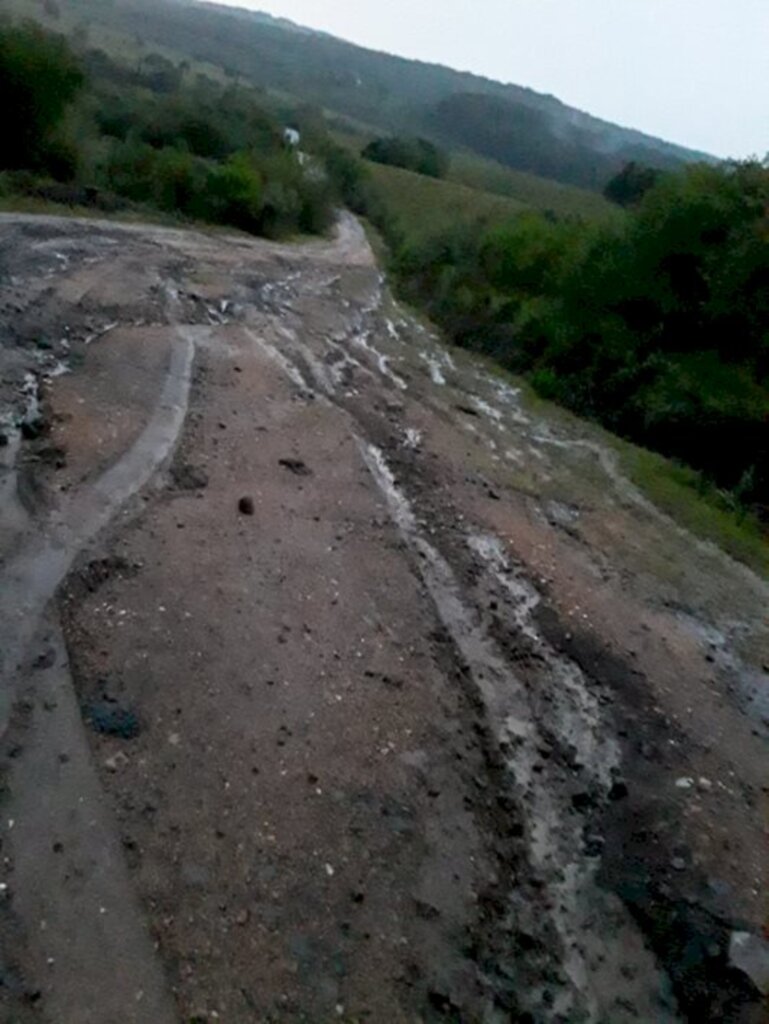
(691, 71)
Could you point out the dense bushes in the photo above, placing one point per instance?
(657, 325)
(631, 184)
(152, 135)
(39, 78)
(417, 155)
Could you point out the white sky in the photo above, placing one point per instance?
(695, 72)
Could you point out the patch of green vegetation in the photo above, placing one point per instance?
(680, 492)
(86, 130)
(421, 207)
(652, 324)
(697, 505)
(513, 124)
(13, 203)
(415, 154)
(539, 193)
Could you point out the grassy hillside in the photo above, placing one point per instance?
(482, 175)
(421, 207)
(528, 189)
(395, 95)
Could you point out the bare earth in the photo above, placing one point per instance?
(340, 682)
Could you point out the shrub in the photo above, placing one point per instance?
(417, 155)
(234, 194)
(39, 78)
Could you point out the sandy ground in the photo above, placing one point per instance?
(378, 695)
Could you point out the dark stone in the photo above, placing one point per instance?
(442, 1003)
(45, 660)
(295, 466)
(189, 478)
(426, 910)
(32, 429)
(100, 570)
(246, 506)
(110, 719)
(53, 455)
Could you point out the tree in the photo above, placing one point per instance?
(161, 75)
(417, 155)
(39, 78)
(631, 184)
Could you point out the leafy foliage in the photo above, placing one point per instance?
(655, 324)
(416, 155)
(39, 78)
(631, 184)
(149, 135)
(410, 208)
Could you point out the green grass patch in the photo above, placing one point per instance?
(35, 205)
(539, 193)
(150, 217)
(422, 207)
(678, 491)
(697, 505)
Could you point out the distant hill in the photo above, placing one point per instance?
(578, 151)
(514, 125)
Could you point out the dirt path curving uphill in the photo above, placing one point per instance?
(397, 701)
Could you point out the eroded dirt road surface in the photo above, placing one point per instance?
(340, 682)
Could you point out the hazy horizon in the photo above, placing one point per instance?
(693, 74)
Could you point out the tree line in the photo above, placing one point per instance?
(157, 135)
(655, 325)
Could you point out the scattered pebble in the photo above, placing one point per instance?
(116, 762)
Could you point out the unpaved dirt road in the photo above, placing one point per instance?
(341, 682)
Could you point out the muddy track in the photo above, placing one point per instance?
(396, 700)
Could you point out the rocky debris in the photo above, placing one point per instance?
(116, 762)
(44, 660)
(53, 455)
(98, 571)
(246, 506)
(564, 516)
(750, 954)
(468, 410)
(32, 427)
(295, 466)
(187, 477)
(110, 719)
